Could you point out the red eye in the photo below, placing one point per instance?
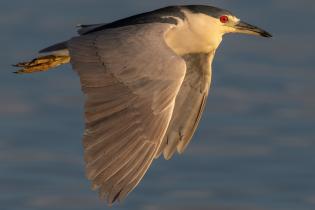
(224, 19)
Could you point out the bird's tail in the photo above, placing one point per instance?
(42, 63)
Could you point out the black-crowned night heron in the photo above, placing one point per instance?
(146, 79)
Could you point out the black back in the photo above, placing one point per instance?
(161, 16)
(155, 16)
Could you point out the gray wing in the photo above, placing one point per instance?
(189, 104)
(131, 79)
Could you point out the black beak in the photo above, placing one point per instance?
(246, 28)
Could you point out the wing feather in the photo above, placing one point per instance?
(131, 79)
(189, 104)
(137, 175)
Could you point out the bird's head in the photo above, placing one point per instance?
(222, 21)
(203, 28)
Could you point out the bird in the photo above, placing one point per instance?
(146, 80)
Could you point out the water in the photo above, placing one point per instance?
(254, 149)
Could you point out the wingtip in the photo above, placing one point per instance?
(168, 156)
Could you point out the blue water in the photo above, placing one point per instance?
(254, 149)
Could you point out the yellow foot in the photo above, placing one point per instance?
(43, 63)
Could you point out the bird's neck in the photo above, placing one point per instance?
(194, 35)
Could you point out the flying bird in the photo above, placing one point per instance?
(146, 80)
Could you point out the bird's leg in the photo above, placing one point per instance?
(42, 63)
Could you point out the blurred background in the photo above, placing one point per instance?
(254, 149)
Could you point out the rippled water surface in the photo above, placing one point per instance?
(254, 149)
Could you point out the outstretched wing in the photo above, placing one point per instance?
(189, 104)
(130, 78)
